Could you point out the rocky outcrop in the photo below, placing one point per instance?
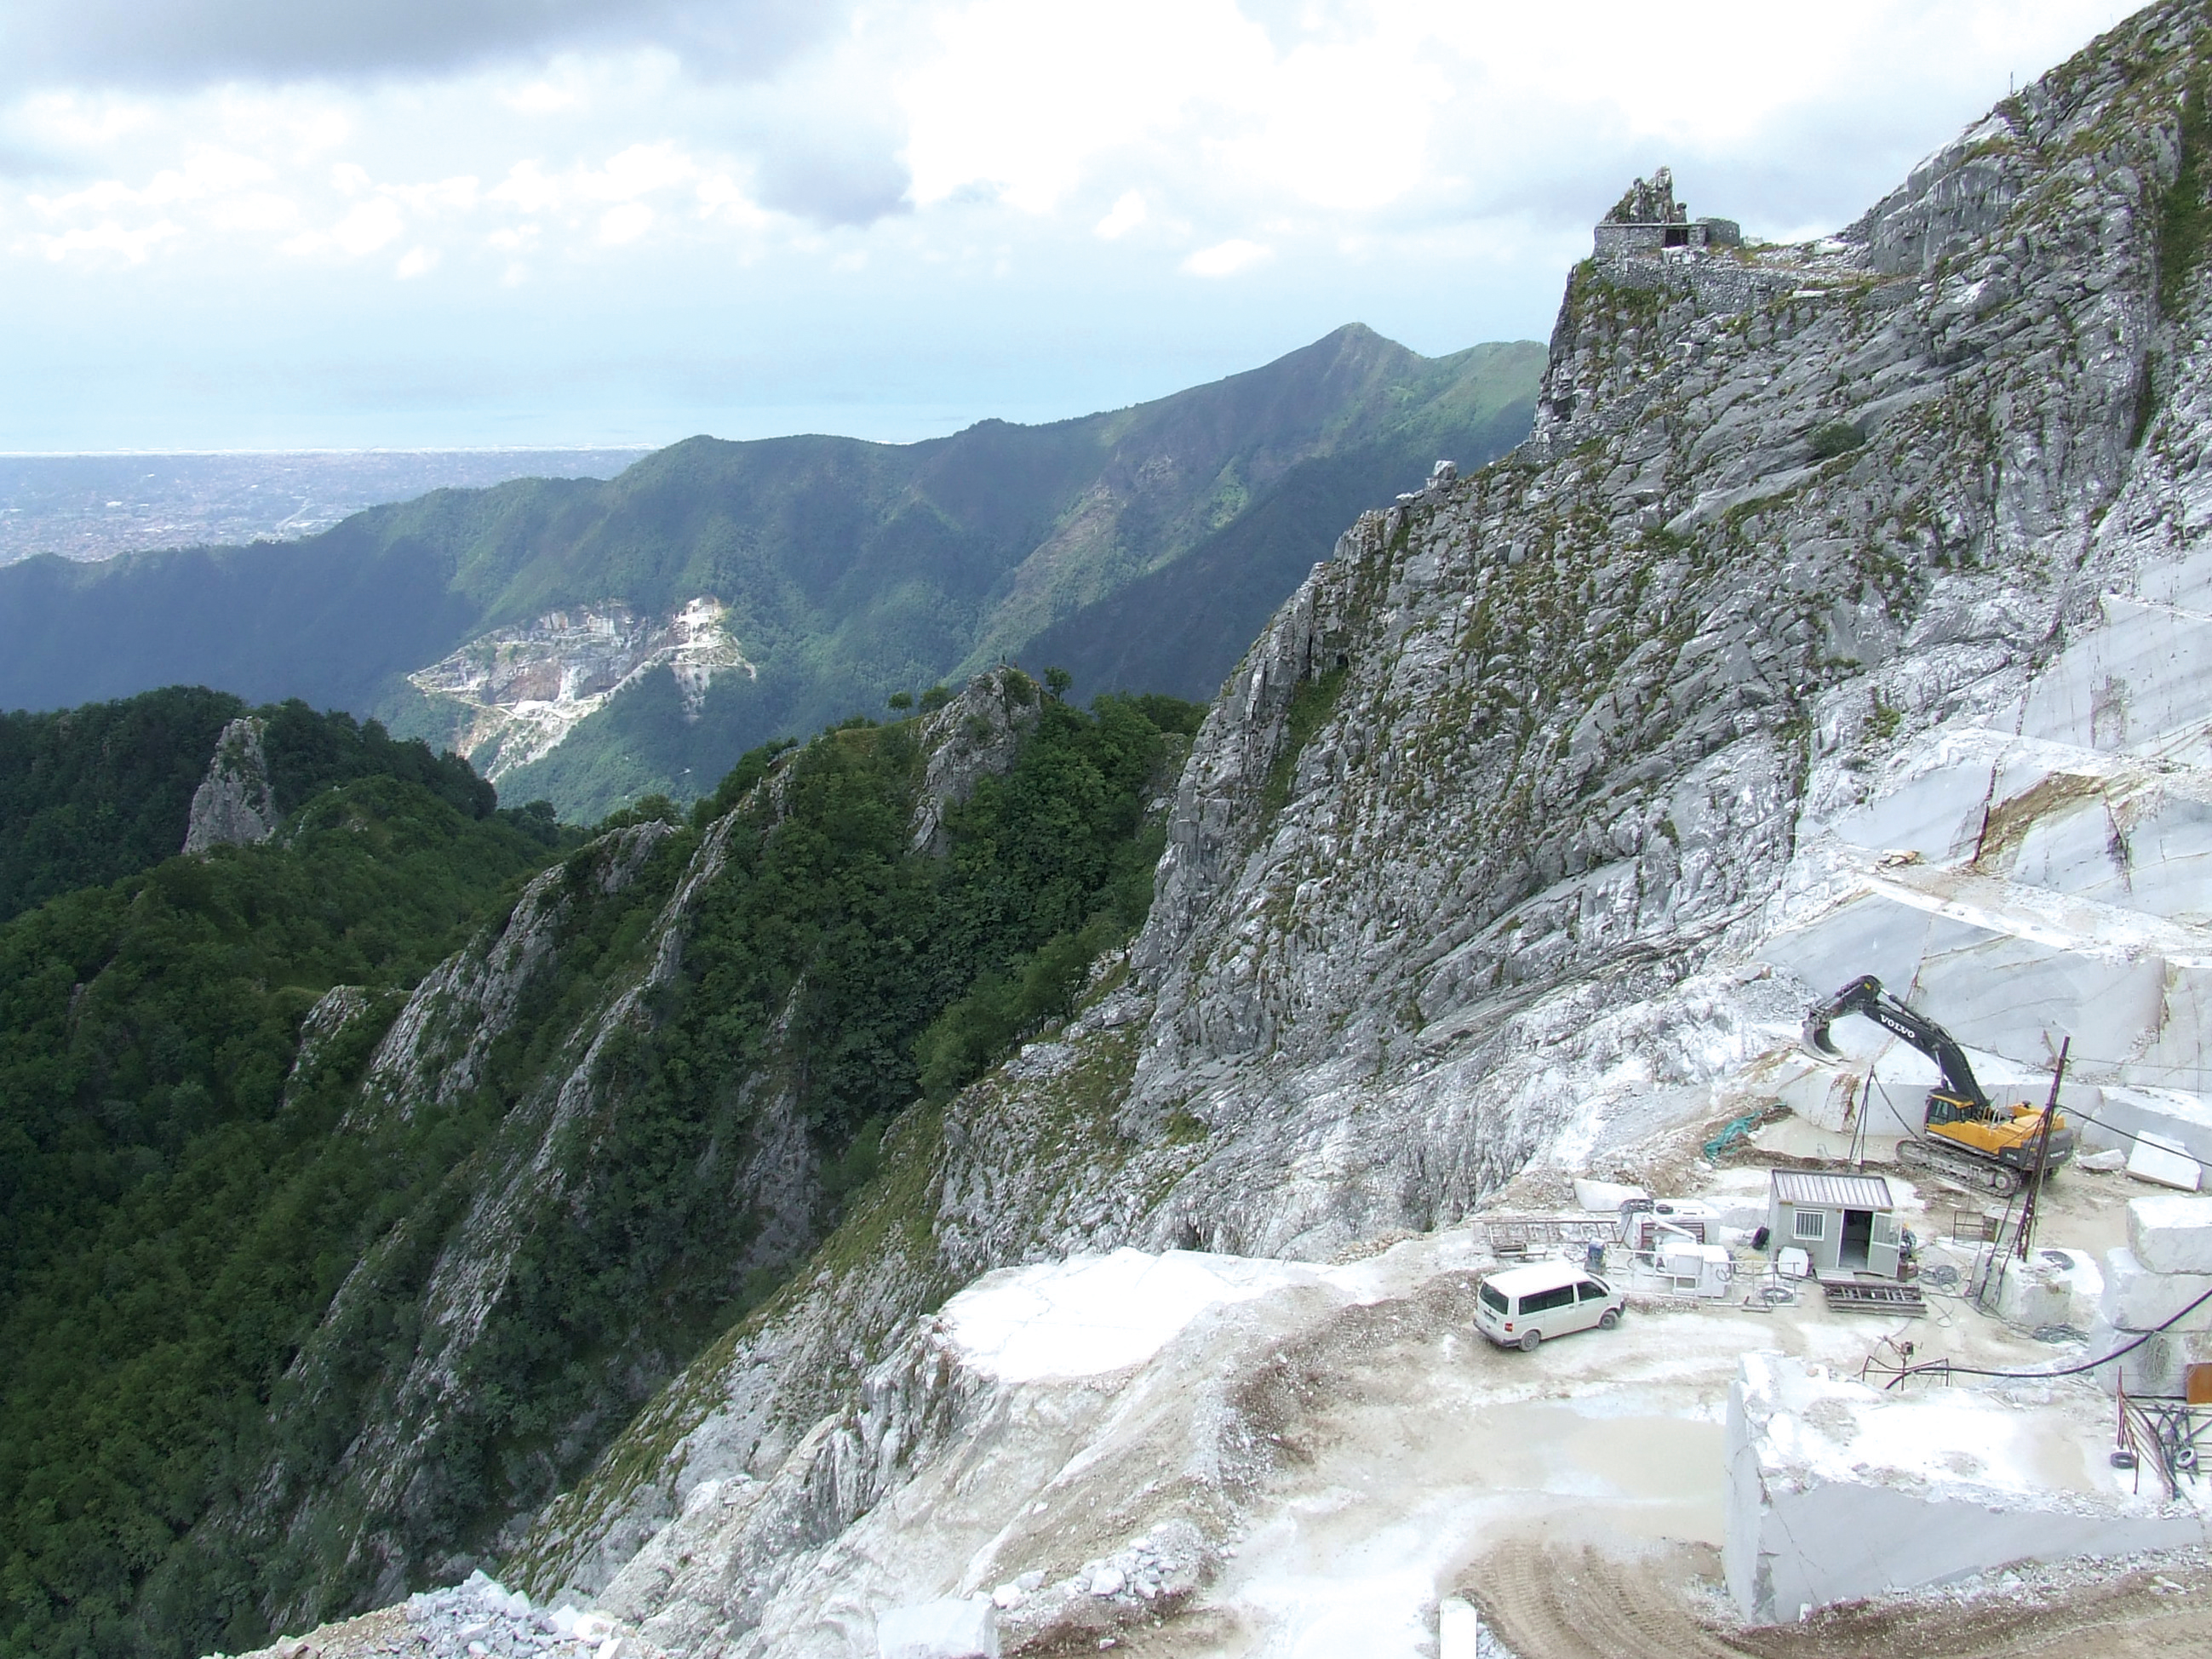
(233, 807)
(975, 736)
(1572, 703)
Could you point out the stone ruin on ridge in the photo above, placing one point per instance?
(1648, 220)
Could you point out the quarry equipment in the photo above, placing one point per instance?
(1962, 1132)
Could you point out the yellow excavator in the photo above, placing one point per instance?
(2000, 1148)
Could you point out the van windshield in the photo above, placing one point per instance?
(1493, 1299)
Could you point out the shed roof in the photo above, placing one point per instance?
(1835, 1192)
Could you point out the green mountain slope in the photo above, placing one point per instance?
(1180, 629)
(848, 570)
(174, 1205)
(256, 1107)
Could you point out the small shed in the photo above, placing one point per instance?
(1845, 1223)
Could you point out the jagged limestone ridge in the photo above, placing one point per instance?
(1471, 834)
(451, 1260)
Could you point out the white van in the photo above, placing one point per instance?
(1521, 1306)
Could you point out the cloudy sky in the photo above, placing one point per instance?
(271, 223)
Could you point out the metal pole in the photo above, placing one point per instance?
(2042, 1153)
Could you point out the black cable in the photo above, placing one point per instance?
(1950, 1370)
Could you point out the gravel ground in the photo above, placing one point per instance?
(1563, 1603)
(478, 1619)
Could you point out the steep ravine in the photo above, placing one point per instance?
(1467, 865)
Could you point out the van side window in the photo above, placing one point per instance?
(1590, 1293)
(1545, 1301)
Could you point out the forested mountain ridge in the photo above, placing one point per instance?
(845, 570)
(328, 1248)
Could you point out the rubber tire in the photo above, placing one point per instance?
(1528, 1341)
(1609, 1320)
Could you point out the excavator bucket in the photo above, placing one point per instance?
(1821, 1015)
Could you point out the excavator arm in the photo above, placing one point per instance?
(1960, 1114)
(1864, 995)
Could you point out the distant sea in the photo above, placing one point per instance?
(94, 507)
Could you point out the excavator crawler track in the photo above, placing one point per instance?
(1982, 1175)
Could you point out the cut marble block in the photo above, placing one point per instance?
(2137, 1299)
(2146, 848)
(2013, 971)
(954, 1628)
(1604, 1197)
(2171, 1235)
(1837, 1490)
(2142, 679)
(1932, 803)
(2151, 1366)
(1459, 1629)
(2154, 1158)
(2184, 583)
(1884, 1084)
(2051, 1287)
(1871, 933)
(2180, 1121)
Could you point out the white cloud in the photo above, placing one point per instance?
(208, 174)
(1022, 98)
(527, 188)
(1125, 216)
(639, 171)
(368, 227)
(365, 229)
(1227, 258)
(255, 212)
(1430, 168)
(131, 244)
(542, 97)
(415, 262)
(625, 223)
(457, 195)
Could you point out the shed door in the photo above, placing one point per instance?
(1882, 1245)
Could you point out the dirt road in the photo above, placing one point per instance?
(1569, 1600)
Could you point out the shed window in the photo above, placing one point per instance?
(1809, 1224)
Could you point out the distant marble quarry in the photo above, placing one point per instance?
(518, 692)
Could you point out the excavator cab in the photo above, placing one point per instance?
(1961, 1121)
(1944, 1108)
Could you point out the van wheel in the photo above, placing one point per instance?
(1608, 1320)
(1530, 1339)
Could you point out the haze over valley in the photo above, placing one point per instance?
(94, 507)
